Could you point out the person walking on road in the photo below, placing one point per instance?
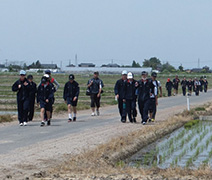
(201, 82)
(196, 86)
(176, 82)
(70, 95)
(95, 85)
(184, 84)
(130, 97)
(32, 94)
(205, 85)
(145, 88)
(119, 94)
(169, 86)
(22, 87)
(154, 97)
(45, 97)
(190, 84)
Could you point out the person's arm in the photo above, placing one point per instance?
(16, 86)
(89, 84)
(77, 90)
(100, 89)
(57, 85)
(116, 88)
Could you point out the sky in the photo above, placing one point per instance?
(102, 31)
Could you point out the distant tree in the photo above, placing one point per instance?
(152, 62)
(134, 64)
(25, 66)
(38, 64)
(181, 68)
(168, 67)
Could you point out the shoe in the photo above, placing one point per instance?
(74, 119)
(131, 120)
(25, 123)
(93, 114)
(134, 120)
(153, 120)
(143, 123)
(49, 122)
(97, 112)
(69, 120)
(42, 123)
(150, 120)
(21, 124)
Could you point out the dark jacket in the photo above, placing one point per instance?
(94, 88)
(169, 85)
(176, 82)
(145, 89)
(45, 93)
(23, 92)
(184, 83)
(190, 84)
(130, 90)
(119, 88)
(33, 90)
(71, 90)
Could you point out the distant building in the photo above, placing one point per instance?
(86, 65)
(70, 65)
(196, 70)
(49, 66)
(110, 65)
(2, 66)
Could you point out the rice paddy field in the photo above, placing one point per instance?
(187, 147)
(8, 98)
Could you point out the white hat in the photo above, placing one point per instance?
(130, 75)
(124, 72)
(46, 75)
(22, 72)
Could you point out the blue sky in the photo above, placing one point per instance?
(98, 31)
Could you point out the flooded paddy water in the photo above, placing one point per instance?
(186, 147)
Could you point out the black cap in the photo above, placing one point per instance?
(47, 71)
(71, 77)
(143, 73)
(154, 74)
(96, 72)
(30, 77)
(43, 80)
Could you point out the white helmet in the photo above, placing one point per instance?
(124, 72)
(130, 75)
(46, 75)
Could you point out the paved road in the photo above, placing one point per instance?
(13, 136)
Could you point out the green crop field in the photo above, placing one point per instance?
(8, 98)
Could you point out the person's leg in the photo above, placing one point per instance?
(31, 109)
(25, 111)
(75, 113)
(145, 110)
(120, 106)
(154, 110)
(69, 112)
(128, 110)
(42, 111)
(92, 96)
(141, 106)
(20, 111)
(134, 111)
(98, 105)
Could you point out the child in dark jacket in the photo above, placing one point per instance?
(70, 96)
(130, 98)
(45, 96)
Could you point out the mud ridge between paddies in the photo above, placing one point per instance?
(104, 162)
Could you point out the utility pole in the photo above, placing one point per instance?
(76, 60)
(61, 65)
(198, 63)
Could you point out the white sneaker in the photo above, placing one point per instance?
(25, 123)
(97, 112)
(93, 114)
(21, 124)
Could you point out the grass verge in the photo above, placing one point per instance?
(6, 118)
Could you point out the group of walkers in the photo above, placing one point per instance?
(27, 91)
(128, 92)
(145, 92)
(194, 85)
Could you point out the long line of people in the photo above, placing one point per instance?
(128, 92)
(189, 86)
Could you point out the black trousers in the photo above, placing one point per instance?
(31, 108)
(143, 109)
(131, 109)
(169, 92)
(184, 91)
(95, 101)
(120, 106)
(205, 88)
(23, 108)
(153, 107)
